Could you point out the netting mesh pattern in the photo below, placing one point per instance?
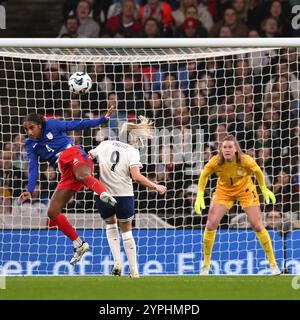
(195, 98)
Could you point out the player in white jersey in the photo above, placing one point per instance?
(117, 161)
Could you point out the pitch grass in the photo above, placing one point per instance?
(149, 288)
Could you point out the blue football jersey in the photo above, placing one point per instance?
(53, 140)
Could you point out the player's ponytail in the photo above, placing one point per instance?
(137, 132)
(238, 153)
(34, 117)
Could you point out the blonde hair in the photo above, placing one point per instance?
(137, 132)
(238, 153)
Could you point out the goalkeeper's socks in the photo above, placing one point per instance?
(130, 250)
(63, 225)
(113, 238)
(208, 243)
(265, 242)
(94, 184)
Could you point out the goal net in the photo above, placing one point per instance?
(195, 96)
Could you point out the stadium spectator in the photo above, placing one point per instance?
(225, 32)
(172, 97)
(273, 218)
(152, 28)
(190, 8)
(282, 17)
(96, 98)
(48, 183)
(255, 13)
(161, 11)
(19, 154)
(98, 9)
(116, 7)
(191, 28)
(264, 160)
(206, 87)
(285, 82)
(185, 212)
(130, 94)
(187, 74)
(158, 112)
(253, 33)
(220, 133)
(71, 26)
(269, 28)
(5, 200)
(284, 192)
(200, 110)
(263, 137)
(238, 28)
(12, 179)
(88, 27)
(169, 171)
(241, 9)
(52, 94)
(124, 23)
(291, 56)
(74, 111)
(278, 220)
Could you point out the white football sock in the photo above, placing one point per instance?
(130, 249)
(113, 238)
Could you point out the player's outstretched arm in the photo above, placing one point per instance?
(82, 124)
(140, 179)
(267, 194)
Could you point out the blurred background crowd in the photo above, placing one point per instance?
(181, 18)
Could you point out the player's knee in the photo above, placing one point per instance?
(52, 213)
(81, 176)
(212, 223)
(111, 220)
(257, 227)
(126, 226)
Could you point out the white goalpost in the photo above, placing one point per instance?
(196, 92)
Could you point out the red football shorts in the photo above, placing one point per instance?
(67, 161)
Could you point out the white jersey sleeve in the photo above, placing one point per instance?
(115, 159)
(134, 158)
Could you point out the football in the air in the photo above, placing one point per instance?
(80, 83)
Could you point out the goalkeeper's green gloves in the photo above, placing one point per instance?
(268, 195)
(199, 204)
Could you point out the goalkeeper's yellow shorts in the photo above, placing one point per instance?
(247, 197)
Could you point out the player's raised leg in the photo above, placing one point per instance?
(215, 215)
(56, 219)
(83, 173)
(263, 236)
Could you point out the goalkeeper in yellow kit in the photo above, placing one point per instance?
(233, 169)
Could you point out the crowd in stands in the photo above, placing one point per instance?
(252, 96)
(177, 18)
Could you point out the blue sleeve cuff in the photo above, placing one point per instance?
(102, 120)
